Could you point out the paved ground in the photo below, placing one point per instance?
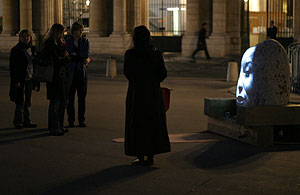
(86, 161)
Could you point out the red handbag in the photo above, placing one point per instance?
(166, 97)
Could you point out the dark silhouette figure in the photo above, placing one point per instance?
(201, 44)
(54, 48)
(36, 84)
(78, 48)
(272, 31)
(145, 128)
(21, 72)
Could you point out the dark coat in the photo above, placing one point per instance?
(145, 127)
(202, 36)
(76, 65)
(18, 63)
(57, 89)
(272, 32)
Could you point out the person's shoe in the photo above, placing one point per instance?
(29, 125)
(65, 130)
(18, 126)
(82, 124)
(56, 132)
(208, 58)
(138, 162)
(149, 161)
(71, 124)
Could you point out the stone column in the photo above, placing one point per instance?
(40, 19)
(137, 12)
(42, 16)
(218, 40)
(145, 15)
(197, 13)
(141, 12)
(10, 16)
(58, 10)
(233, 27)
(119, 26)
(219, 18)
(26, 14)
(120, 40)
(131, 15)
(98, 17)
(297, 20)
(51, 13)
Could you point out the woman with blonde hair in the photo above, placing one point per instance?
(54, 48)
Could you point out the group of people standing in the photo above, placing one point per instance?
(145, 128)
(70, 60)
(146, 131)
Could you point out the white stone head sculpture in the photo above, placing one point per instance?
(264, 77)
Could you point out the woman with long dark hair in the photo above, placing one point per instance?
(145, 128)
(55, 49)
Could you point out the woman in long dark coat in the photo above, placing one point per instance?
(54, 48)
(145, 128)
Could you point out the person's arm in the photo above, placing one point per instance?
(202, 35)
(13, 68)
(127, 68)
(69, 47)
(162, 71)
(85, 51)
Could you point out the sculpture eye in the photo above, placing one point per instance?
(248, 69)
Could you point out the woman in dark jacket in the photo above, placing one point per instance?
(54, 48)
(145, 128)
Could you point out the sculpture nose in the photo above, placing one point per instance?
(240, 89)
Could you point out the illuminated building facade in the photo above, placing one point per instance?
(234, 25)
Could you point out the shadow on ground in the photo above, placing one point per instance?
(101, 180)
(12, 135)
(231, 153)
(223, 154)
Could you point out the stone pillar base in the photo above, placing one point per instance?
(188, 45)
(98, 45)
(119, 43)
(7, 42)
(114, 44)
(218, 45)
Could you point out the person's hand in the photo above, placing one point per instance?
(66, 53)
(87, 61)
(18, 85)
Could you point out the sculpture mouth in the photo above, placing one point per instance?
(240, 100)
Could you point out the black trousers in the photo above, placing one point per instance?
(56, 114)
(79, 85)
(203, 47)
(22, 111)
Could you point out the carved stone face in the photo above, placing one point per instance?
(264, 77)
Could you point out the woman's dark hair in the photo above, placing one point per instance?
(55, 31)
(25, 32)
(141, 36)
(76, 26)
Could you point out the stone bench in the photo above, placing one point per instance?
(253, 125)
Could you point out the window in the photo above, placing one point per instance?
(167, 17)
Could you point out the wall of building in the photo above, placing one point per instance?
(112, 22)
(297, 20)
